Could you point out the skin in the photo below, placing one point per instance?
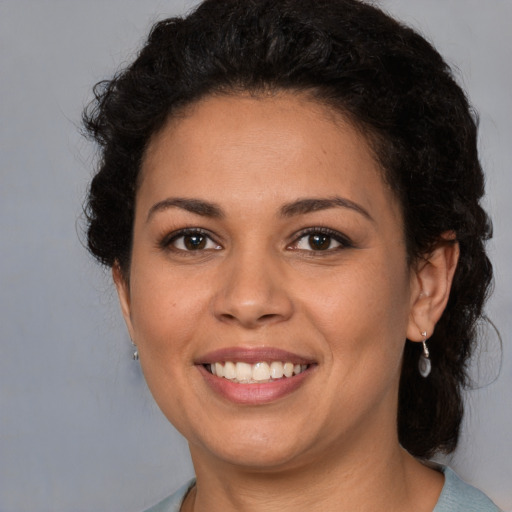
(258, 283)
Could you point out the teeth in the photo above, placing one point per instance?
(288, 369)
(252, 373)
(276, 370)
(219, 370)
(243, 372)
(261, 371)
(229, 370)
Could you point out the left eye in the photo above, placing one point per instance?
(320, 241)
(194, 241)
(317, 242)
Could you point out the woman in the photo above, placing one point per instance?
(288, 197)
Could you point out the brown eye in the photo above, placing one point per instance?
(190, 241)
(319, 242)
(194, 242)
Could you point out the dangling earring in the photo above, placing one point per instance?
(424, 364)
(135, 355)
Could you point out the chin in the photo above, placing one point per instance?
(255, 449)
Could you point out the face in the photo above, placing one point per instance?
(269, 294)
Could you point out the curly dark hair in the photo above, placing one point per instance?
(389, 81)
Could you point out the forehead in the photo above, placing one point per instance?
(220, 123)
(281, 145)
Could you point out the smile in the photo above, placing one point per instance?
(258, 373)
(255, 376)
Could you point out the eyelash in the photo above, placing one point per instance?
(168, 241)
(345, 243)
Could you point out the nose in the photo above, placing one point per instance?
(253, 292)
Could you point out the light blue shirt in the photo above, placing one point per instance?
(456, 496)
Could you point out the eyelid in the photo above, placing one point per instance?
(344, 241)
(166, 241)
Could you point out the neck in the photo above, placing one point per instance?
(382, 476)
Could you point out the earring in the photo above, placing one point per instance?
(135, 355)
(424, 364)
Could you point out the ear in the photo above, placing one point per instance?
(432, 279)
(123, 292)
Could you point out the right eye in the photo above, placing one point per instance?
(192, 240)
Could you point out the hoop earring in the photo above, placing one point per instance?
(424, 364)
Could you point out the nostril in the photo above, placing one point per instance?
(267, 317)
(252, 306)
(249, 320)
(228, 316)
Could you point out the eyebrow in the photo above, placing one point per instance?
(197, 206)
(308, 205)
(299, 207)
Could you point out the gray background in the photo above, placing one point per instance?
(78, 428)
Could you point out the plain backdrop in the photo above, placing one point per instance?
(78, 428)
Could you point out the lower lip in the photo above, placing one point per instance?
(254, 394)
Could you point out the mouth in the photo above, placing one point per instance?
(254, 376)
(258, 373)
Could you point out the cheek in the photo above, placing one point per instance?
(165, 311)
(363, 322)
(165, 308)
(362, 312)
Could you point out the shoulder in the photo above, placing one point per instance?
(174, 501)
(458, 496)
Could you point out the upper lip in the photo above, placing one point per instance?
(252, 355)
